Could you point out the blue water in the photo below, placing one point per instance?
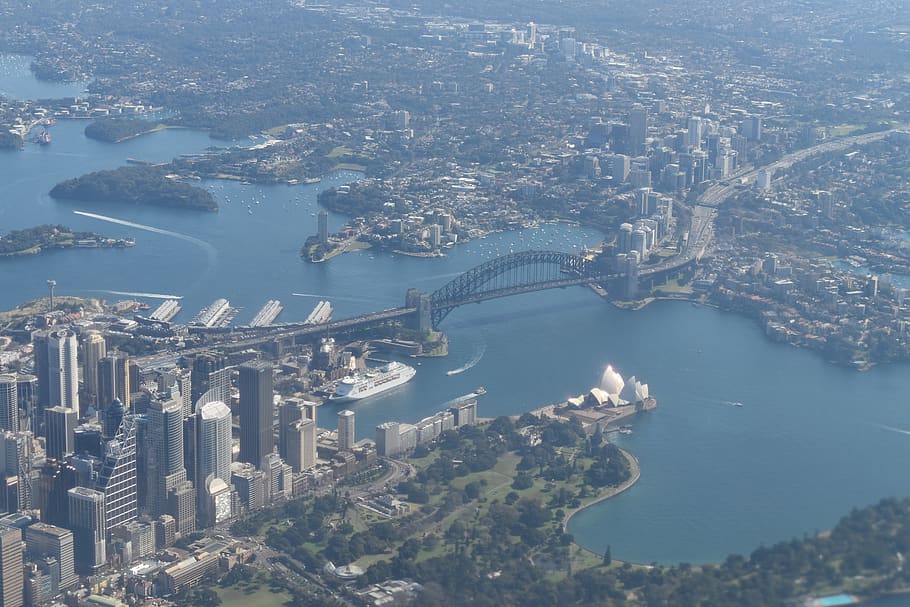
(17, 82)
(835, 600)
(810, 442)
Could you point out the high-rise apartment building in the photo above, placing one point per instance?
(256, 406)
(345, 430)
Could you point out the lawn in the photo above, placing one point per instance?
(251, 596)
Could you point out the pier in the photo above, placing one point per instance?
(166, 311)
(322, 313)
(267, 315)
(217, 315)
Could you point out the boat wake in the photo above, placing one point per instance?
(475, 358)
(207, 247)
(317, 296)
(135, 294)
(893, 429)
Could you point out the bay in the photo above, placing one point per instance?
(810, 442)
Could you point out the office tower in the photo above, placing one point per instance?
(184, 383)
(638, 130)
(9, 402)
(94, 349)
(113, 381)
(323, 227)
(250, 485)
(290, 411)
(111, 418)
(695, 128)
(43, 540)
(164, 453)
(214, 442)
(345, 430)
(117, 479)
(751, 128)
(42, 371)
(255, 384)
(301, 444)
(63, 370)
(210, 373)
(49, 491)
(27, 393)
(11, 572)
(211, 433)
(15, 466)
(88, 520)
(87, 440)
(60, 427)
(181, 504)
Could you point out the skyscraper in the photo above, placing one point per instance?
(113, 381)
(164, 452)
(63, 370)
(88, 520)
(256, 395)
(638, 130)
(27, 389)
(11, 573)
(301, 444)
(9, 402)
(60, 426)
(210, 373)
(93, 350)
(345, 430)
(42, 372)
(15, 464)
(214, 444)
(117, 479)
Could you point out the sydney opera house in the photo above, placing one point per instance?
(613, 391)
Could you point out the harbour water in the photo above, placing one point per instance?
(810, 442)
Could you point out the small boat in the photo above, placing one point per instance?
(736, 403)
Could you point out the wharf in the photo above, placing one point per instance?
(166, 311)
(267, 315)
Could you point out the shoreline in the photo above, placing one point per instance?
(635, 475)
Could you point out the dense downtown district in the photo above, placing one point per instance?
(751, 159)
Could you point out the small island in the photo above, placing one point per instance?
(140, 185)
(32, 241)
(117, 130)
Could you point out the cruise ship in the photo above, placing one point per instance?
(372, 382)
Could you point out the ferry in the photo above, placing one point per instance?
(372, 382)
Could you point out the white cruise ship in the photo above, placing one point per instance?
(372, 382)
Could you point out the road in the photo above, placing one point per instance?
(701, 230)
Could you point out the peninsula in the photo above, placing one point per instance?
(32, 241)
(117, 130)
(139, 185)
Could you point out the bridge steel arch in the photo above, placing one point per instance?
(512, 274)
